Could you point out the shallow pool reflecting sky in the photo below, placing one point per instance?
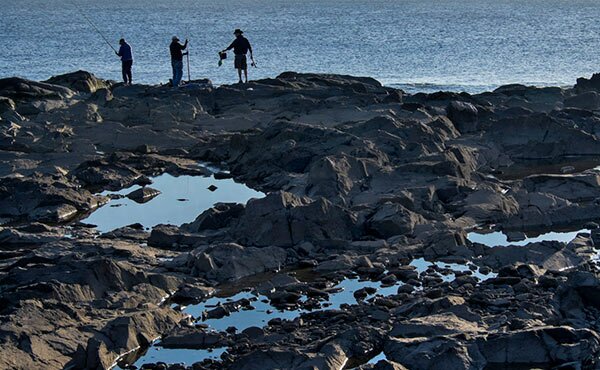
(181, 200)
(497, 238)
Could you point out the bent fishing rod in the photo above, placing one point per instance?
(94, 26)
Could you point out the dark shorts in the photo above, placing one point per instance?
(240, 62)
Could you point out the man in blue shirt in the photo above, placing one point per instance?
(240, 47)
(126, 60)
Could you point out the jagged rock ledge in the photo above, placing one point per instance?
(361, 178)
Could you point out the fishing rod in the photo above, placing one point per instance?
(94, 26)
(188, 64)
(188, 58)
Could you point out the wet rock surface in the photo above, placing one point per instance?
(362, 181)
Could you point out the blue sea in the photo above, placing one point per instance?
(418, 45)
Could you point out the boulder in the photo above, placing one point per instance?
(464, 115)
(435, 325)
(584, 84)
(283, 219)
(544, 346)
(331, 176)
(80, 81)
(6, 105)
(393, 219)
(589, 100)
(438, 353)
(53, 214)
(223, 262)
(554, 256)
(219, 216)
(192, 338)
(547, 345)
(586, 285)
(44, 199)
(20, 89)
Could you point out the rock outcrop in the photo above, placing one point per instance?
(362, 181)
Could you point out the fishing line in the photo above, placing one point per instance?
(93, 25)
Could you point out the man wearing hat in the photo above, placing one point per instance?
(126, 60)
(240, 47)
(177, 59)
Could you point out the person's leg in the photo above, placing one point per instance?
(244, 67)
(179, 72)
(238, 66)
(124, 72)
(174, 68)
(129, 72)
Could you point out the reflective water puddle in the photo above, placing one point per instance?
(259, 316)
(422, 265)
(184, 356)
(497, 238)
(181, 200)
(376, 359)
(263, 311)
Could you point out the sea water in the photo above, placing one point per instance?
(470, 45)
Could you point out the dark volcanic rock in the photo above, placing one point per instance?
(545, 346)
(20, 89)
(584, 84)
(193, 338)
(217, 217)
(143, 195)
(81, 81)
(363, 182)
(394, 219)
(44, 199)
(224, 262)
(282, 219)
(464, 116)
(588, 100)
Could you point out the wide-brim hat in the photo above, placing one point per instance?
(238, 31)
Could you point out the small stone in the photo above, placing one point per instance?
(364, 261)
(212, 188)
(360, 294)
(515, 236)
(253, 332)
(389, 280)
(484, 270)
(567, 169)
(406, 288)
(434, 293)
(143, 195)
(222, 175)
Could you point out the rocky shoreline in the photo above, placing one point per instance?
(360, 180)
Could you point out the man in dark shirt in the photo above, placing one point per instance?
(126, 60)
(240, 47)
(177, 59)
